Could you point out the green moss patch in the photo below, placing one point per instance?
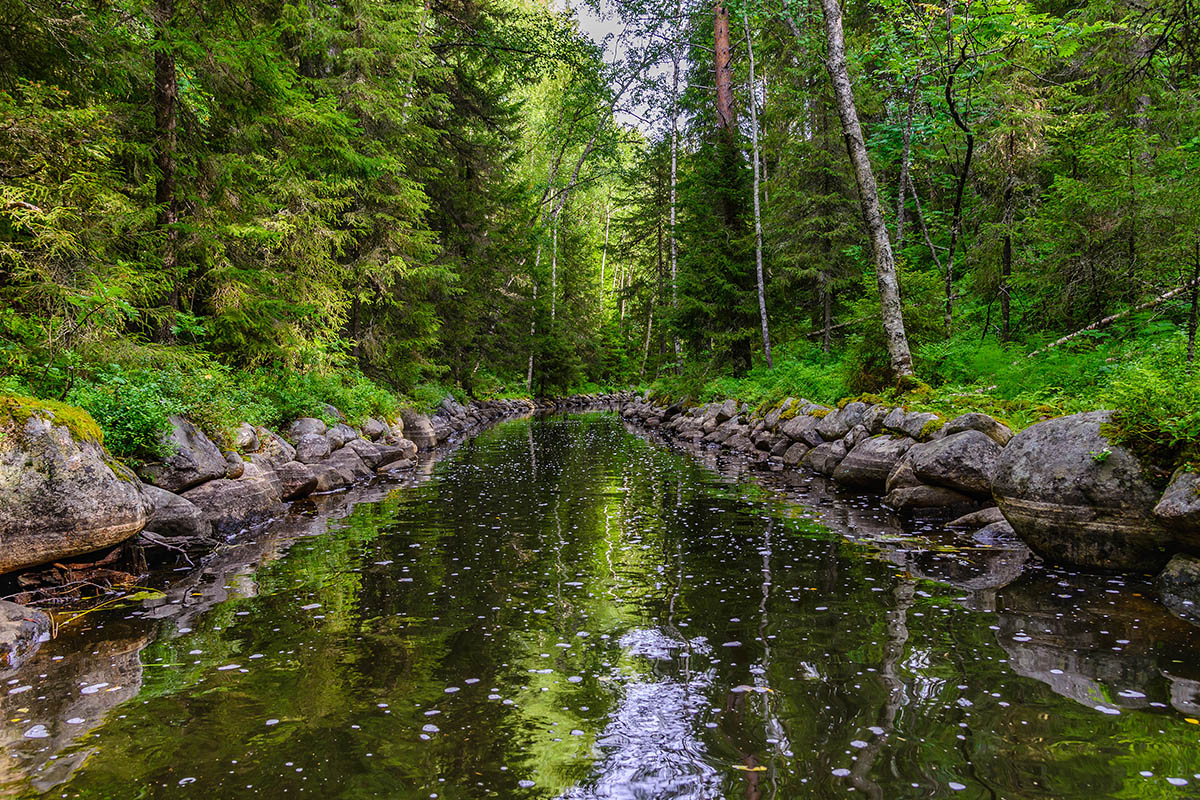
(19, 409)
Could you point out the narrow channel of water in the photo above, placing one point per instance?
(567, 610)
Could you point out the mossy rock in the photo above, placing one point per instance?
(821, 413)
(17, 410)
(790, 413)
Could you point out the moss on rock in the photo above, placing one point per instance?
(17, 410)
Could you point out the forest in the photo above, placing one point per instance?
(240, 211)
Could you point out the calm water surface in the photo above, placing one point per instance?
(566, 610)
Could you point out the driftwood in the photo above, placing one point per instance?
(1109, 320)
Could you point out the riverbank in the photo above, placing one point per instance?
(74, 517)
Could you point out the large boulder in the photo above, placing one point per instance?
(1077, 498)
(230, 504)
(61, 494)
(22, 629)
(175, 516)
(245, 438)
(273, 449)
(194, 459)
(824, 458)
(311, 448)
(418, 429)
(963, 461)
(306, 426)
(1179, 508)
(803, 429)
(1000, 433)
(375, 429)
(296, 480)
(339, 434)
(727, 410)
(1179, 586)
(920, 425)
(869, 463)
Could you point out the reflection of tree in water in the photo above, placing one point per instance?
(650, 748)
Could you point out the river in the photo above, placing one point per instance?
(564, 608)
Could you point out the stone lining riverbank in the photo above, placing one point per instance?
(1061, 486)
(65, 501)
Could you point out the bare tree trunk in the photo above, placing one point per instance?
(604, 252)
(905, 155)
(646, 347)
(554, 267)
(827, 308)
(1006, 255)
(532, 333)
(676, 57)
(856, 148)
(166, 95)
(723, 68)
(758, 233)
(956, 217)
(1191, 349)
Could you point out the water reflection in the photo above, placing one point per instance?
(563, 610)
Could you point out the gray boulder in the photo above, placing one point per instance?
(911, 499)
(803, 429)
(1077, 498)
(873, 418)
(375, 429)
(306, 426)
(1179, 508)
(22, 629)
(194, 459)
(329, 478)
(795, 454)
(350, 465)
(175, 516)
(60, 496)
(1179, 586)
(273, 449)
(296, 480)
(230, 504)
(834, 425)
(977, 519)
(964, 462)
(234, 465)
(419, 430)
(727, 410)
(870, 462)
(311, 448)
(824, 458)
(245, 438)
(998, 432)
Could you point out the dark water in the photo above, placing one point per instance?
(565, 610)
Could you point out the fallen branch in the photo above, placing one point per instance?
(821, 332)
(1104, 323)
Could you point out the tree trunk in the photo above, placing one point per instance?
(723, 68)
(1006, 256)
(905, 155)
(604, 252)
(646, 347)
(956, 217)
(827, 313)
(856, 148)
(532, 333)
(554, 267)
(166, 93)
(758, 234)
(1191, 350)
(676, 57)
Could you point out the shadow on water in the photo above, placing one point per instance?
(563, 609)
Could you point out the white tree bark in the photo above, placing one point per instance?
(758, 234)
(868, 192)
(676, 56)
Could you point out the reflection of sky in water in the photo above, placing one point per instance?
(650, 747)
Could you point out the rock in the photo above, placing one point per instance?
(857, 434)
(22, 629)
(997, 533)
(873, 419)
(175, 516)
(795, 454)
(1179, 508)
(390, 454)
(998, 432)
(803, 429)
(368, 452)
(833, 425)
(728, 410)
(245, 438)
(739, 441)
(964, 462)
(977, 519)
(870, 462)
(311, 448)
(329, 479)
(1077, 498)
(194, 459)
(375, 429)
(296, 480)
(825, 458)
(234, 465)
(396, 466)
(1179, 586)
(306, 426)
(419, 430)
(908, 499)
(782, 445)
(273, 449)
(230, 504)
(60, 496)
(339, 434)
(918, 424)
(349, 464)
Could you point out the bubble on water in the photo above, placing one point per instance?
(37, 732)
(841, 772)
